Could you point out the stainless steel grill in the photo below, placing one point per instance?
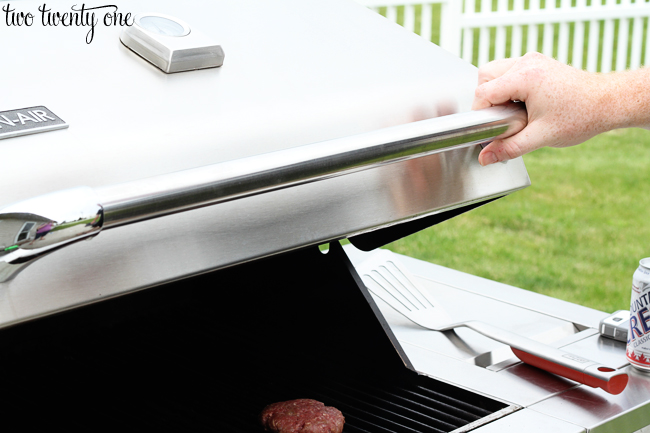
(202, 296)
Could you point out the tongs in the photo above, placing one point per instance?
(390, 281)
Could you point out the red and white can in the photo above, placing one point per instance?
(638, 337)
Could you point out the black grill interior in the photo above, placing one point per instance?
(208, 353)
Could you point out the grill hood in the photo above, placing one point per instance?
(315, 128)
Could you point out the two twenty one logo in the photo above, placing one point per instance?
(30, 120)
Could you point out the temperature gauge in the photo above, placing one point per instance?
(170, 44)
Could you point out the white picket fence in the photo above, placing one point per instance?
(597, 35)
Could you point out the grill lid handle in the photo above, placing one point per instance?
(46, 223)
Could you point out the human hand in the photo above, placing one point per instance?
(565, 105)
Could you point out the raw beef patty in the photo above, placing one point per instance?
(302, 416)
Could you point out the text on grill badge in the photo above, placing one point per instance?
(31, 120)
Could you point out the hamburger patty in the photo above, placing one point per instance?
(302, 416)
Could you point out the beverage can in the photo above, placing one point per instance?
(638, 338)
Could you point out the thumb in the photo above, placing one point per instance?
(504, 149)
(532, 137)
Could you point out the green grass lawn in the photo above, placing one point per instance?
(577, 233)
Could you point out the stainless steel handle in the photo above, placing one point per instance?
(46, 223)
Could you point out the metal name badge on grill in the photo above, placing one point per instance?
(31, 120)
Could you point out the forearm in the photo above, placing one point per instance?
(627, 99)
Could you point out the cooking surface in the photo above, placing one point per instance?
(198, 355)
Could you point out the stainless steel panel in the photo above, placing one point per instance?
(475, 426)
(452, 356)
(189, 189)
(582, 317)
(612, 350)
(298, 72)
(134, 201)
(463, 356)
(521, 385)
(389, 281)
(155, 251)
(529, 421)
(599, 412)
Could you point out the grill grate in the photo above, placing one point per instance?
(162, 359)
(220, 397)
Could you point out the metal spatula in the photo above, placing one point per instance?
(390, 281)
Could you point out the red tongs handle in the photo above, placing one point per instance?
(609, 379)
(556, 361)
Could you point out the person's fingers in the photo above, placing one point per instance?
(487, 73)
(494, 69)
(487, 157)
(480, 102)
(511, 87)
(518, 121)
(500, 150)
(504, 149)
(495, 92)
